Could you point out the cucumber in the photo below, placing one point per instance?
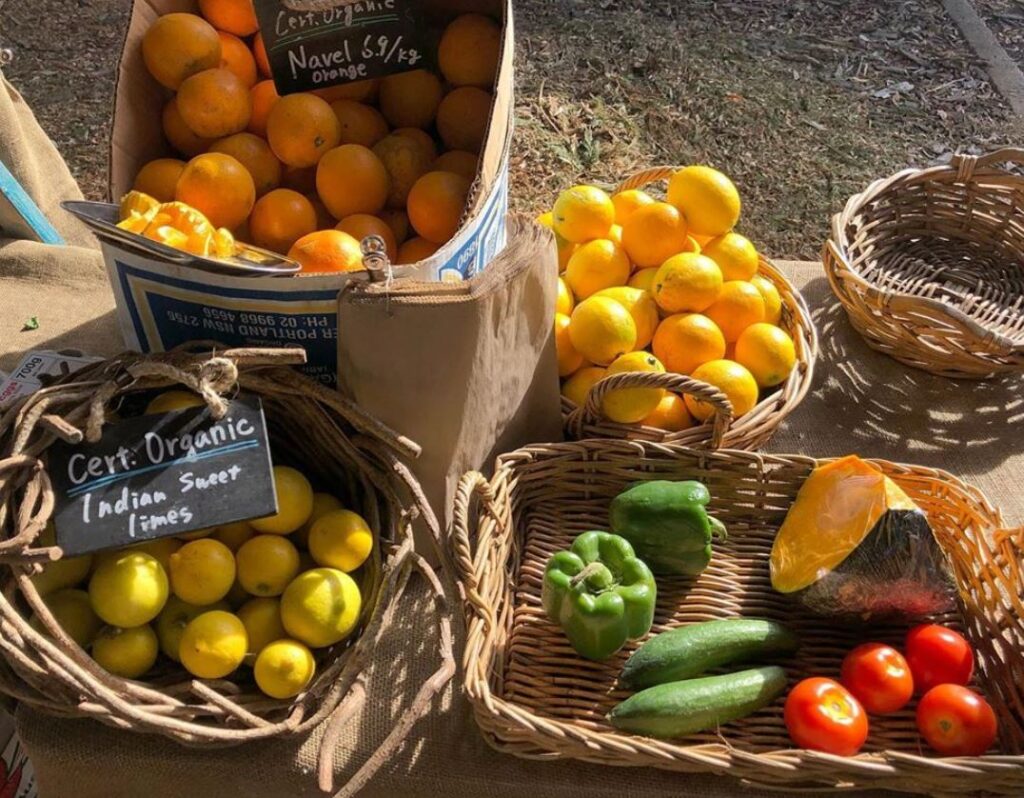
(680, 708)
(691, 650)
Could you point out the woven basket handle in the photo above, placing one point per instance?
(472, 485)
(590, 411)
(647, 176)
(966, 164)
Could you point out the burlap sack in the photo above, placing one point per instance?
(467, 370)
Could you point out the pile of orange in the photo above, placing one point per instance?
(310, 174)
(664, 286)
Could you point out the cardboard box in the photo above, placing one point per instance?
(161, 304)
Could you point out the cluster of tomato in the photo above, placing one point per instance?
(826, 715)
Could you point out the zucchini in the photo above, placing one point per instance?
(691, 650)
(680, 708)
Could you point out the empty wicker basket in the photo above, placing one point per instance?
(929, 264)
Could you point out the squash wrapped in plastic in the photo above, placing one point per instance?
(854, 544)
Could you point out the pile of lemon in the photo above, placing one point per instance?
(262, 593)
(649, 286)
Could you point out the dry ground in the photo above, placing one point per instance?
(802, 101)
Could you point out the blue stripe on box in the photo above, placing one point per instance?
(26, 209)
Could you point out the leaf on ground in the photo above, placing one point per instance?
(31, 324)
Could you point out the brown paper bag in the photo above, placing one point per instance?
(467, 370)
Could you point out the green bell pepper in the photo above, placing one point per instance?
(668, 525)
(600, 593)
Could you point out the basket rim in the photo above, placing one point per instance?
(518, 729)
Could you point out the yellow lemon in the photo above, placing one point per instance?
(63, 573)
(565, 302)
(734, 254)
(202, 571)
(294, 503)
(262, 620)
(341, 539)
(546, 219)
(578, 386)
(284, 669)
(739, 305)
(213, 644)
(670, 415)
(323, 503)
(684, 341)
(73, 612)
(626, 202)
(234, 535)
(266, 564)
(601, 329)
(770, 295)
(629, 405)
(129, 589)
(643, 278)
(641, 307)
(321, 607)
(566, 249)
(569, 360)
(169, 401)
(615, 235)
(730, 378)
(583, 213)
(767, 352)
(172, 620)
(596, 265)
(707, 198)
(653, 234)
(126, 652)
(687, 283)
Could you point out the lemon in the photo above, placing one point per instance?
(643, 278)
(734, 254)
(202, 571)
(546, 219)
(73, 612)
(266, 564)
(653, 234)
(569, 360)
(583, 213)
(626, 202)
(629, 405)
(63, 573)
(641, 307)
(294, 503)
(601, 329)
(730, 378)
(234, 535)
(284, 668)
(687, 283)
(126, 652)
(341, 539)
(565, 301)
(670, 415)
(172, 620)
(566, 249)
(739, 305)
(213, 644)
(169, 401)
(595, 265)
(262, 620)
(129, 589)
(321, 607)
(707, 198)
(770, 295)
(767, 352)
(615, 235)
(578, 386)
(323, 503)
(685, 340)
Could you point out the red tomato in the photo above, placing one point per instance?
(878, 677)
(822, 715)
(956, 721)
(938, 655)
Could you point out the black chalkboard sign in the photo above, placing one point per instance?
(315, 44)
(161, 475)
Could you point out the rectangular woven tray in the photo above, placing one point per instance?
(534, 697)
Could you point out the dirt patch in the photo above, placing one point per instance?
(803, 102)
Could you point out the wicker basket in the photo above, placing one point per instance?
(929, 264)
(535, 698)
(323, 433)
(753, 429)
